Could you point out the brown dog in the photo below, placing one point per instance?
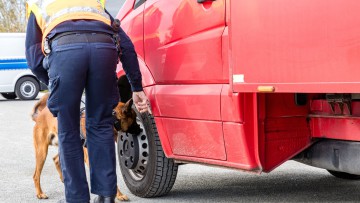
(46, 134)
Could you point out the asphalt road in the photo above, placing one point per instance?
(292, 182)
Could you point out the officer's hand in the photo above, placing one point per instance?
(141, 102)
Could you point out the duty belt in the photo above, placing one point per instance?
(77, 37)
(74, 37)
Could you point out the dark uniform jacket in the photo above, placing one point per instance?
(35, 56)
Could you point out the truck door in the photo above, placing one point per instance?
(182, 45)
(132, 17)
(295, 46)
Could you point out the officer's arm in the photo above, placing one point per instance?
(34, 55)
(129, 60)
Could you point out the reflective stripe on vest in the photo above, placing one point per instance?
(50, 13)
(66, 11)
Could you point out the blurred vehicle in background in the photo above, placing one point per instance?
(16, 79)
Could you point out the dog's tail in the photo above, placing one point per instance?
(39, 106)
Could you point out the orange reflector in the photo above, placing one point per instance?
(266, 88)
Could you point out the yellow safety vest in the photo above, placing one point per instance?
(50, 13)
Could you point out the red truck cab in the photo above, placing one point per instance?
(242, 84)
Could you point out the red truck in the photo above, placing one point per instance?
(244, 84)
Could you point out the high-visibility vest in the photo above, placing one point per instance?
(50, 13)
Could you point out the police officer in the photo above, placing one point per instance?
(70, 46)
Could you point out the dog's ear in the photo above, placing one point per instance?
(39, 106)
(127, 107)
(35, 111)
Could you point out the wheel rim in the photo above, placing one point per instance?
(134, 152)
(27, 89)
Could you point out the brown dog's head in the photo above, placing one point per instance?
(127, 117)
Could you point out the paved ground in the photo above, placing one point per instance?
(292, 182)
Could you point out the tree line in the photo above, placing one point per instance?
(12, 16)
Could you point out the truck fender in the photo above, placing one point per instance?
(148, 83)
(149, 89)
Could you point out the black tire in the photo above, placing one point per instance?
(154, 174)
(10, 95)
(343, 175)
(27, 88)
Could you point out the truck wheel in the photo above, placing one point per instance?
(27, 88)
(146, 170)
(11, 95)
(344, 175)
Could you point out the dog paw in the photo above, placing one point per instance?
(122, 197)
(42, 196)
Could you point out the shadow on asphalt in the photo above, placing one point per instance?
(270, 188)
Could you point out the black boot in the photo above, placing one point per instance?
(102, 199)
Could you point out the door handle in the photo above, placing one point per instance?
(202, 1)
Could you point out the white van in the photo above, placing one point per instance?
(16, 79)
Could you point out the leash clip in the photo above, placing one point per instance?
(47, 48)
(116, 27)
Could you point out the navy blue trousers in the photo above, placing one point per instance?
(73, 68)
